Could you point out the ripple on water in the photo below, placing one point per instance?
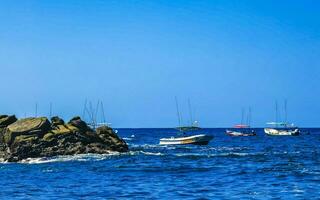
(256, 168)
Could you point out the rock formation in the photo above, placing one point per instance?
(38, 137)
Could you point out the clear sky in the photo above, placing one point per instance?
(136, 56)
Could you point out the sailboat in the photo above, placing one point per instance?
(185, 133)
(242, 129)
(282, 128)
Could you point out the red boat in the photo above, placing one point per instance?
(242, 129)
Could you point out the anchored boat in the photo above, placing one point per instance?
(281, 128)
(186, 133)
(242, 129)
(186, 136)
(201, 139)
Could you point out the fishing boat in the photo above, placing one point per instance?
(242, 129)
(187, 134)
(281, 128)
(201, 139)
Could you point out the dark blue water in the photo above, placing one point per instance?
(258, 167)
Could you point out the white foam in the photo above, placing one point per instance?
(134, 153)
(189, 154)
(78, 157)
(152, 153)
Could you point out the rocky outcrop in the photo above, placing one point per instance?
(6, 120)
(37, 137)
(55, 121)
(77, 122)
(108, 136)
(28, 126)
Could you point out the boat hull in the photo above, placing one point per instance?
(281, 132)
(194, 140)
(239, 134)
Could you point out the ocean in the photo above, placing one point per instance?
(259, 167)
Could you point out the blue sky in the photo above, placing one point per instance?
(136, 56)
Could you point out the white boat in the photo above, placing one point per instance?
(282, 132)
(201, 139)
(282, 128)
(242, 133)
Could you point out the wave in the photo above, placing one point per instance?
(189, 147)
(152, 153)
(135, 153)
(146, 145)
(100, 157)
(166, 147)
(67, 158)
(189, 152)
(230, 154)
(85, 157)
(134, 147)
(128, 138)
(194, 155)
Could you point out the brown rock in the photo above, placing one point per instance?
(55, 121)
(27, 126)
(109, 137)
(77, 122)
(6, 120)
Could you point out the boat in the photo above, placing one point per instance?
(281, 128)
(187, 134)
(193, 127)
(201, 139)
(242, 129)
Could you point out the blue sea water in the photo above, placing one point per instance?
(260, 167)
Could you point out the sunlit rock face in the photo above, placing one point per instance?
(38, 137)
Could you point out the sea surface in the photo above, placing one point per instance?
(260, 167)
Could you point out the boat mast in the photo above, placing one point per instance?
(84, 110)
(50, 110)
(190, 112)
(96, 112)
(92, 115)
(285, 112)
(242, 115)
(102, 112)
(178, 113)
(249, 117)
(277, 114)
